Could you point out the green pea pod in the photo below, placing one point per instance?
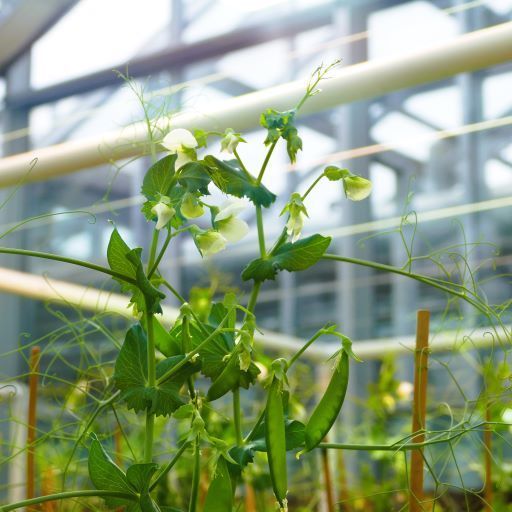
(329, 407)
(220, 492)
(227, 380)
(275, 437)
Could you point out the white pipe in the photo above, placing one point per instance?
(92, 299)
(469, 52)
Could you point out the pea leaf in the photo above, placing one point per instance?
(220, 492)
(231, 180)
(127, 262)
(194, 177)
(282, 124)
(106, 475)
(292, 257)
(139, 476)
(159, 178)
(131, 377)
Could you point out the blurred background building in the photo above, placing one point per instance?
(443, 149)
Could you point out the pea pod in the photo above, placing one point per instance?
(329, 407)
(220, 492)
(227, 380)
(275, 437)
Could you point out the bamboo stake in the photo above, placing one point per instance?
(329, 493)
(33, 379)
(488, 490)
(344, 495)
(250, 498)
(416, 495)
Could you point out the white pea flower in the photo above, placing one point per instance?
(230, 227)
(405, 390)
(357, 188)
(190, 207)
(230, 141)
(210, 242)
(297, 212)
(164, 214)
(181, 142)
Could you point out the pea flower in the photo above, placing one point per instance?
(297, 211)
(190, 206)
(209, 242)
(230, 141)
(229, 226)
(357, 188)
(182, 143)
(164, 213)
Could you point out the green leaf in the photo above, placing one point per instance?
(139, 476)
(131, 375)
(194, 176)
(290, 256)
(293, 142)
(159, 178)
(282, 124)
(127, 262)
(220, 492)
(106, 475)
(164, 342)
(231, 180)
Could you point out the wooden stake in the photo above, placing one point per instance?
(250, 498)
(416, 495)
(33, 380)
(344, 495)
(329, 493)
(488, 490)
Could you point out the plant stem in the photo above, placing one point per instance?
(169, 237)
(261, 232)
(192, 354)
(252, 433)
(242, 166)
(169, 466)
(71, 261)
(417, 277)
(174, 291)
(304, 348)
(66, 495)
(150, 417)
(152, 249)
(194, 494)
(254, 296)
(265, 162)
(237, 417)
(312, 186)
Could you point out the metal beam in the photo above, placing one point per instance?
(466, 53)
(179, 56)
(29, 21)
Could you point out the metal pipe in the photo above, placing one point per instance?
(100, 301)
(469, 52)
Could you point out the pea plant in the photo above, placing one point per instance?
(208, 355)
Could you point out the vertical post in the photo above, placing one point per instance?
(33, 379)
(416, 494)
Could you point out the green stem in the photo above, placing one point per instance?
(242, 166)
(169, 466)
(416, 277)
(250, 436)
(66, 495)
(152, 268)
(254, 296)
(237, 416)
(71, 261)
(304, 348)
(174, 291)
(152, 250)
(261, 232)
(265, 162)
(167, 375)
(150, 417)
(311, 187)
(194, 494)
